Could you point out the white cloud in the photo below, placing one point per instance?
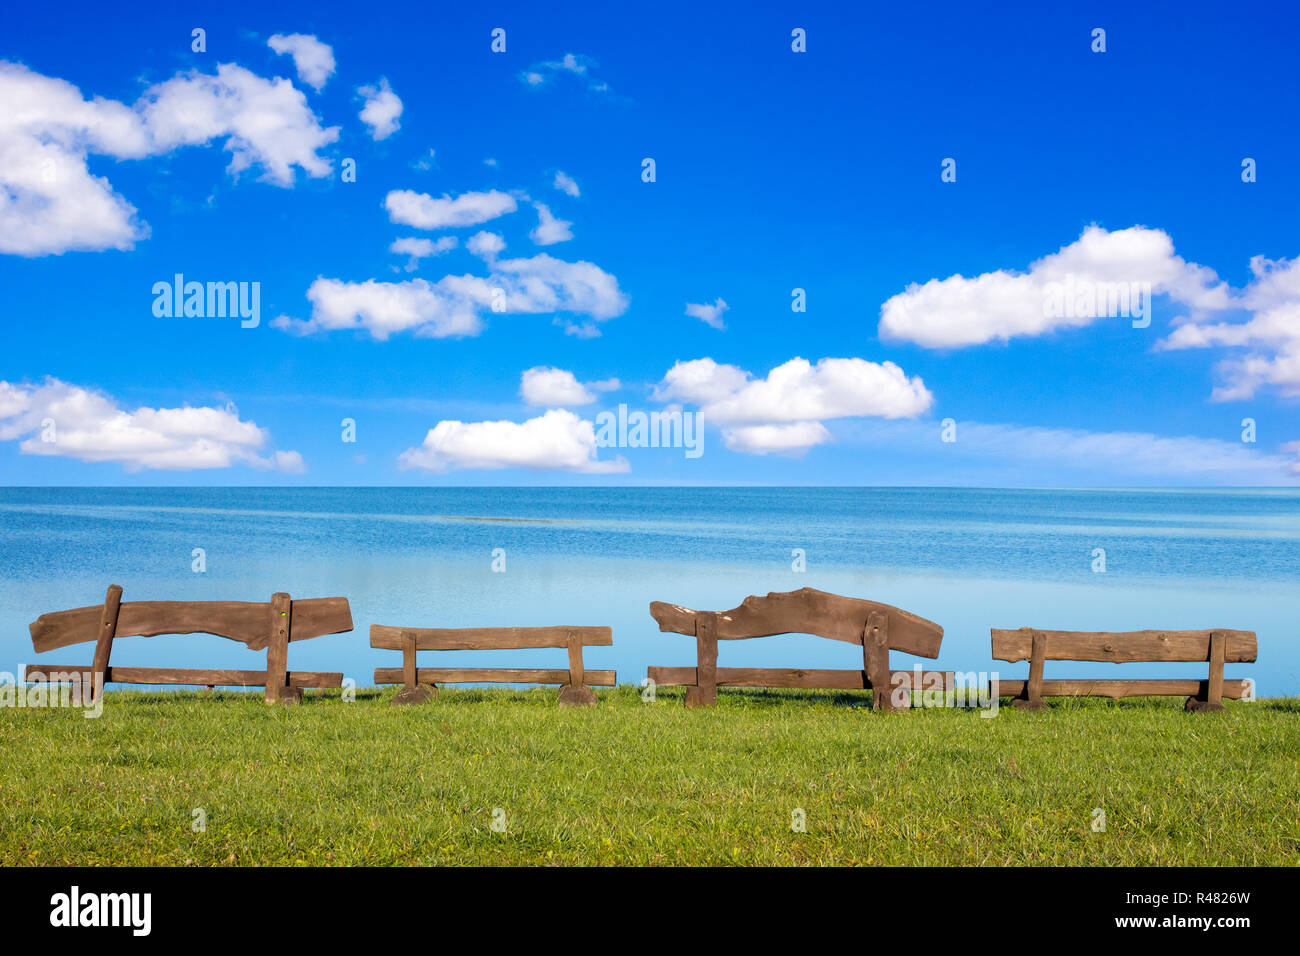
(313, 60)
(783, 412)
(579, 330)
(553, 388)
(557, 441)
(381, 109)
(419, 249)
(266, 122)
(289, 462)
(88, 425)
(571, 64)
(486, 245)
(423, 211)
(792, 439)
(384, 308)
(566, 184)
(49, 201)
(556, 387)
(549, 230)
(1272, 333)
(710, 315)
(956, 312)
(457, 305)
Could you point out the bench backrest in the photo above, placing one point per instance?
(808, 611)
(1123, 647)
(487, 638)
(244, 621)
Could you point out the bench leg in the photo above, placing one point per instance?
(412, 692)
(1033, 695)
(1213, 699)
(875, 657)
(576, 693)
(278, 690)
(705, 691)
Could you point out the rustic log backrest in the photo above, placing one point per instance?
(1037, 646)
(270, 626)
(878, 628)
(421, 683)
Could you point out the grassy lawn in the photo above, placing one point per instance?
(626, 782)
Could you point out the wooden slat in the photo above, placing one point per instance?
(1123, 647)
(389, 637)
(243, 621)
(806, 678)
(316, 617)
(197, 676)
(1115, 689)
(807, 611)
(493, 675)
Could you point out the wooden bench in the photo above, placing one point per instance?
(419, 684)
(270, 626)
(878, 628)
(1218, 647)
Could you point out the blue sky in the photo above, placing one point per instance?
(128, 158)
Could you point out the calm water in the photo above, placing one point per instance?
(966, 558)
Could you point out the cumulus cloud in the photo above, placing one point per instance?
(710, 315)
(381, 109)
(486, 245)
(549, 230)
(1260, 322)
(49, 201)
(418, 249)
(63, 420)
(1067, 289)
(1270, 334)
(566, 184)
(265, 123)
(783, 412)
(556, 387)
(556, 441)
(423, 211)
(313, 60)
(457, 305)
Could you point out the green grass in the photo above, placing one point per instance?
(626, 782)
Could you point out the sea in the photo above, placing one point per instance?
(969, 559)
